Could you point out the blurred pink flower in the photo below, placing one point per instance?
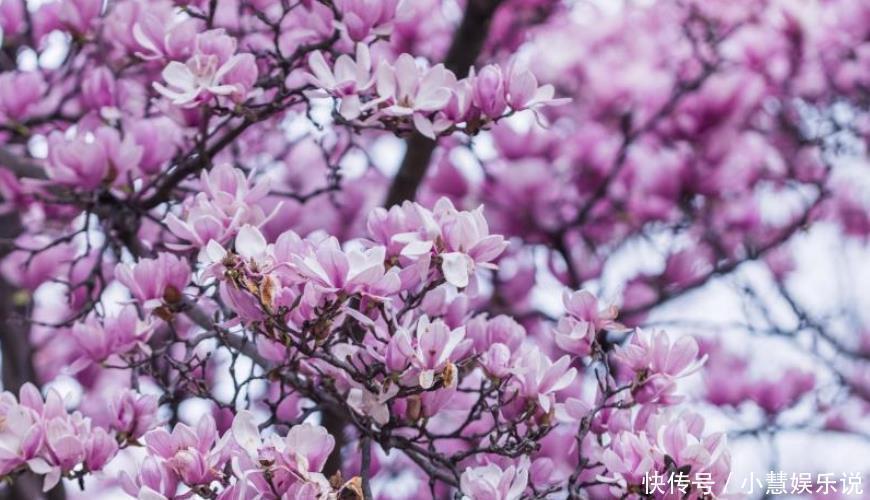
(21, 93)
(491, 482)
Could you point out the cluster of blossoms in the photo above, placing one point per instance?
(384, 321)
(41, 436)
(196, 457)
(228, 201)
(257, 307)
(432, 100)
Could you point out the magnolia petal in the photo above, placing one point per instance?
(250, 242)
(454, 265)
(427, 379)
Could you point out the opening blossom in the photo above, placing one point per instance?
(291, 465)
(20, 93)
(89, 160)
(228, 201)
(493, 482)
(655, 362)
(214, 70)
(98, 340)
(155, 281)
(409, 90)
(346, 80)
(460, 239)
(576, 331)
(430, 351)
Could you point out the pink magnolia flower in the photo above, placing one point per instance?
(20, 93)
(195, 455)
(492, 482)
(432, 350)
(246, 278)
(538, 378)
(214, 70)
(346, 80)
(522, 90)
(229, 187)
(131, 414)
(496, 360)
(154, 480)
(63, 450)
(687, 266)
(461, 240)
(78, 15)
(353, 271)
(489, 91)
(467, 243)
(576, 331)
(21, 432)
(374, 405)
(410, 91)
(228, 201)
(89, 160)
(159, 34)
(654, 352)
(12, 20)
(681, 439)
(628, 459)
(306, 447)
(99, 89)
(364, 17)
(315, 22)
(776, 396)
(654, 361)
(56, 442)
(501, 329)
(405, 230)
(251, 245)
(583, 306)
(574, 336)
(159, 139)
(461, 107)
(203, 222)
(297, 458)
(155, 281)
(36, 261)
(100, 447)
(98, 339)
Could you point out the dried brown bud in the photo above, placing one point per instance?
(163, 313)
(172, 295)
(267, 293)
(335, 480)
(449, 375)
(352, 490)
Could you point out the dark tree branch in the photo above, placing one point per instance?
(466, 46)
(366, 466)
(730, 266)
(334, 423)
(20, 166)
